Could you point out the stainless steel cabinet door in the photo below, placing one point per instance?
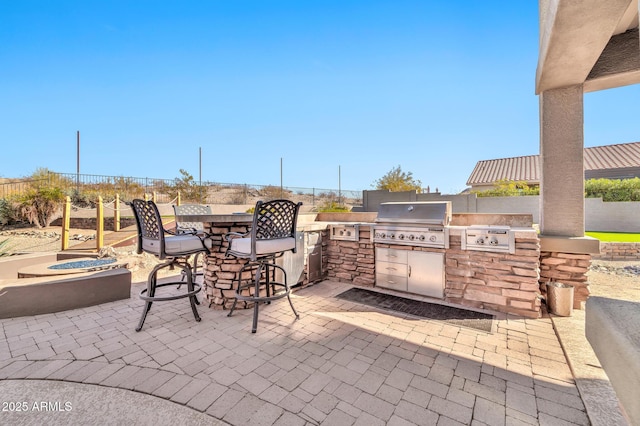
(426, 273)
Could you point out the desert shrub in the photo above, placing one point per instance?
(45, 178)
(41, 206)
(330, 195)
(396, 180)
(332, 206)
(5, 248)
(239, 196)
(82, 199)
(272, 192)
(8, 213)
(186, 185)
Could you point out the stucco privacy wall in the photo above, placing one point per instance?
(599, 216)
(612, 217)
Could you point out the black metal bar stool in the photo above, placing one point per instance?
(174, 249)
(272, 233)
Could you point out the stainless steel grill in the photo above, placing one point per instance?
(422, 224)
(420, 212)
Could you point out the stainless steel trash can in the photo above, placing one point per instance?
(560, 298)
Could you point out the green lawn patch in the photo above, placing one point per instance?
(615, 237)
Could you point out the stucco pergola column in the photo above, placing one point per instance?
(561, 162)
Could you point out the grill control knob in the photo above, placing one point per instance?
(392, 236)
(383, 235)
(348, 233)
(479, 240)
(341, 232)
(412, 237)
(422, 238)
(401, 237)
(493, 241)
(432, 238)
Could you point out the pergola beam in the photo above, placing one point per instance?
(618, 65)
(573, 34)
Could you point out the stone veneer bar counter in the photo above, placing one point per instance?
(220, 270)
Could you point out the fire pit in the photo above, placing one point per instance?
(66, 267)
(29, 287)
(83, 264)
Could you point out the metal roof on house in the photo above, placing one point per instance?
(612, 156)
(527, 168)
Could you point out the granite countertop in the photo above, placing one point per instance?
(303, 225)
(306, 225)
(215, 218)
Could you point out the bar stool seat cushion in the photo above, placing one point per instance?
(263, 247)
(179, 245)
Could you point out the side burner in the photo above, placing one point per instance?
(489, 238)
(344, 232)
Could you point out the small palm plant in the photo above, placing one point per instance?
(5, 248)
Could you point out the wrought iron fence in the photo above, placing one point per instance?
(18, 187)
(85, 189)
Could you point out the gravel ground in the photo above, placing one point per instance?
(615, 279)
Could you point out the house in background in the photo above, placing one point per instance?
(620, 161)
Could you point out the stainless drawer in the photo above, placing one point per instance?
(395, 269)
(391, 255)
(392, 282)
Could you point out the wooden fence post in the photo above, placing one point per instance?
(99, 224)
(66, 220)
(116, 213)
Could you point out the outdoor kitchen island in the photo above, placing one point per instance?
(495, 266)
(501, 276)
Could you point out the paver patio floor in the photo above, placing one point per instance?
(341, 363)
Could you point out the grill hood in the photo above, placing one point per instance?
(420, 212)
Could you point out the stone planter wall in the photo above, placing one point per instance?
(619, 251)
(499, 282)
(569, 269)
(352, 261)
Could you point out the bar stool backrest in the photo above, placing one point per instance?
(150, 229)
(273, 220)
(185, 209)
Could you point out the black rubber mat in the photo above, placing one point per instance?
(432, 311)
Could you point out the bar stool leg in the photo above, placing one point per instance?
(288, 290)
(151, 290)
(193, 274)
(264, 275)
(237, 278)
(190, 288)
(256, 295)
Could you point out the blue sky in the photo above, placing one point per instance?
(356, 86)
